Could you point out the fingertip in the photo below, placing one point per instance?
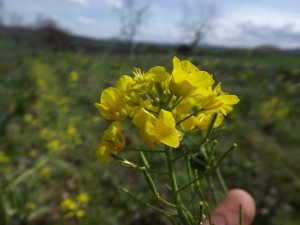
(227, 212)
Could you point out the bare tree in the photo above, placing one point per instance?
(131, 19)
(1, 11)
(197, 22)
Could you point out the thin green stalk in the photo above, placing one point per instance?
(174, 103)
(177, 103)
(168, 101)
(202, 197)
(213, 189)
(158, 172)
(172, 220)
(189, 151)
(182, 215)
(189, 116)
(166, 202)
(149, 110)
(147, 204)
(192, 200)
(241, 215)
(189, 170)
(212, 169)
(163, 183)
(221, 180)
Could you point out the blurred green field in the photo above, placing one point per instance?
(49, 129)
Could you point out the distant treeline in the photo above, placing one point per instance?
(46, 35)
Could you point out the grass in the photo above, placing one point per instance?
(49, 122)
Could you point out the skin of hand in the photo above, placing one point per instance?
(227, 212)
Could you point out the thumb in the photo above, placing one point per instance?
(227, 212)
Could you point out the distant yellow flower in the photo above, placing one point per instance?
(45, 173)
(54, 144)
(83, 198)
(112, 142)
(80, 213)
(73, 76)
(96, 119)
(4, 158)
(30, 205)
(68, 204)
(28, 118)
(71, 130)
(112, 105)
(32, 153)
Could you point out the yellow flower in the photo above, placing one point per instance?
(112, 105)
(165, 130)
(44, 173)
(215, 99)
(28, 118)
(54, 144)
(181, 84)
(80, 213)
(73, 76)
(157, 130)
(124, 85)
(96, 119)
(228, 102)
(30, 205)
(158, 74)
(203, 120)
(71, 130)
(186, 78)
(68, 205)
(4, 158)
(83, 198)
(143, 82)
(188, 124)
(112, 142)
(32, 153)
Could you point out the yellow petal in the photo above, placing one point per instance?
(158, 73)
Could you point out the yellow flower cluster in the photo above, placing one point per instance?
(4, 158)
(163, 106)
(71, 208)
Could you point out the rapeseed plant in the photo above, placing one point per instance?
(166, 108)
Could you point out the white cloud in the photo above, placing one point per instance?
(85, 20)
(80, 2)
(117, 4)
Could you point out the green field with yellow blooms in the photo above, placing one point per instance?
(50, 129)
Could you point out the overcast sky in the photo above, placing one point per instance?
(238, 23)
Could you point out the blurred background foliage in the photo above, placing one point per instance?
(49, 129)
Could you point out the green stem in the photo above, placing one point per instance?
(212, 169)
(163, 183)
(182, 215)
(192, 189)
(189, 116)
(147, 204)
(189, 151)
(168, 101)
(213, 189)
(166, 202)
(222, 182)
(172, 220)
(174, 103)
(202, 197)
(158, 172)
(241, 217)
